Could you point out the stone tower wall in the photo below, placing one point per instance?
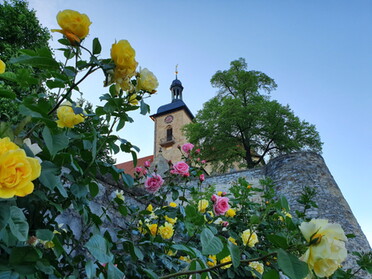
(291, 173)
(180, 118)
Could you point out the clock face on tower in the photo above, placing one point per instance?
(168, 119)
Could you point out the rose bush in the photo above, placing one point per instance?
(153, 226)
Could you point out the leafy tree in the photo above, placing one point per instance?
(241, 125)
(20, 29)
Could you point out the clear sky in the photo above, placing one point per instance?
(318, 52)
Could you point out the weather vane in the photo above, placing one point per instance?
(176, 70)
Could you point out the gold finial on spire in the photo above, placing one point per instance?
(176, 72)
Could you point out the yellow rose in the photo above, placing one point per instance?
(16, 170)
(327, 246)
(170, 220)
(225, 260)
(149, 208)
(123, 56)
(202, 205)
(212, 260)
(67, 117)
(172, 204)
(259, 267)
(153, 228)
(166, 231)
(230, 213)
(75, 26)
(2, 67)
(147, 81)
(249, 238)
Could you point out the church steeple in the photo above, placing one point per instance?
(176, 88)
(169, 120)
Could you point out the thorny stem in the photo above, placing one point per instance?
(190, 272)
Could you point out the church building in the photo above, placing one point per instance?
(168, 121)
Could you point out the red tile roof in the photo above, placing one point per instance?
(129, 168)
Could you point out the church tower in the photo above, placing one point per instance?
(169, 120)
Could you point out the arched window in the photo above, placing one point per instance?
(169, 133)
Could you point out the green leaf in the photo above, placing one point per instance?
(9, 275)
(99, 248)
(6, 93)
(25, 254)
(254, 219)
(112, 90)
(6, 130)
(54, 142)
(43, 234)
(49, 175)
(145, 108)
(291, 265)
(90, 269)
(28, 112)
(134, 157)
(96, 46)
(18, 224)
(55, 84)
(278, 241)
(93, 188)
(45, 267)
(128, 180)
(4, 214)
(120, 124)
(9, 76)
(284, 203)
(184, 248)
(79, 191)
(36, 61)
(113, 272)
(211, 245)
(150, 273)
(234, 253)
(271, 274)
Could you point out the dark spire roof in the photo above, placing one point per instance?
(177, 103)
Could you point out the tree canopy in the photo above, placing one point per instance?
(242, 126)
(20, 29)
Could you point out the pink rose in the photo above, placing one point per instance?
(147, 164)
(203, 161)
(197, 151)
(214, 198)
(225, 224)
(181, 168)
(153, 183)
(187, 147)
(221, 205)
(138, 170)
(144, 171)
(201, 177)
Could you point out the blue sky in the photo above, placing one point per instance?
(318, 52)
